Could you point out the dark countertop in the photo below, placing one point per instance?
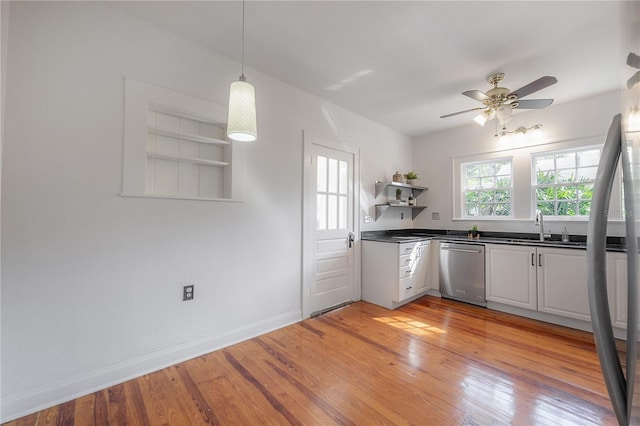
(524, 239)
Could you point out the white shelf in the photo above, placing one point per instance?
(415, 210)
(152, 154)
(381, 186)
(187, 136)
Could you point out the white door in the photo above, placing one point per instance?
(329, 234)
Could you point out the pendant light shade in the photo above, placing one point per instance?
(241, 125)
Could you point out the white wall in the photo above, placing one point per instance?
(564, 125)
(91, 281)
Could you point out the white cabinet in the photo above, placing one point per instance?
(551, 280)
(511, 275)
(562, 282)
(617, 288)
(393, 274)
(423, 267)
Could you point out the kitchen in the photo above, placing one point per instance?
(92, 280)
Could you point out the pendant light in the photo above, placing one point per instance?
(241, 124)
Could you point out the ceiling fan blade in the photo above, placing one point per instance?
(462, 112)
(534, 86)
(476, 94)
(534, 103)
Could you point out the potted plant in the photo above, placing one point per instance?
(398, 194)
(473, 232)
(411, 177)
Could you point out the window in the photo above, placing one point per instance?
(487, 188)
(563, 181)
(332, 193)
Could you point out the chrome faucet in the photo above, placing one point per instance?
(540, 223)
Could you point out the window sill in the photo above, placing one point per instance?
(547, 219)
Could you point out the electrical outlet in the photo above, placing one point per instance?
(435, 215)
(187, 292)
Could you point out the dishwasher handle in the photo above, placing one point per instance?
(461, 250)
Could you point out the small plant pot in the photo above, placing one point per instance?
(411, 181)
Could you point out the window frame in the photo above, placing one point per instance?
(534, 181)
(464, 190)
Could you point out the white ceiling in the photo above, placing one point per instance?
(404, 64)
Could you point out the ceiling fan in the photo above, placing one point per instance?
(500, 102)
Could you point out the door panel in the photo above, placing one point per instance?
(562, 283)
(329, 265)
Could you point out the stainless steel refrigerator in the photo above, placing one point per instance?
(621, 149)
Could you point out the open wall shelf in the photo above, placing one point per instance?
(382, 187)
(381, 208)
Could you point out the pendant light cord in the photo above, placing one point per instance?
(242, 69)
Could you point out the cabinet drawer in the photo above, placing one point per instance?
(406, 271)
(406, 288)
(409, 248)
(405, 260)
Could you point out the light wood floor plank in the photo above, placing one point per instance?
(431, 362)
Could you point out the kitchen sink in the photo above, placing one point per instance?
(547, 242)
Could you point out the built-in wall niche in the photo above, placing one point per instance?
(175, 147)
(186, 157)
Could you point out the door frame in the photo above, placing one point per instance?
(309, 216)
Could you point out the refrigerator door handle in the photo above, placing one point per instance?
(597, 272)
(630, 203)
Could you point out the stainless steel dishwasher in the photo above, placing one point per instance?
(462, 272)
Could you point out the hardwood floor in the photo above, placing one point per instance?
(431, 362)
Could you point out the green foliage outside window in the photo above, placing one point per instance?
(487, 188)
(564, 182)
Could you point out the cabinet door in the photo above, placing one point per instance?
(511, 275)
(562, 283)
(617, 287)
(423, 267)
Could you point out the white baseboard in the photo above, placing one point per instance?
(553, 319)
(36, 399)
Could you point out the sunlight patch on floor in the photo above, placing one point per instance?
(410, 325)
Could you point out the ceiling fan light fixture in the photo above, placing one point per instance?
(500, 102)
(481, 118)
(504, 113)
